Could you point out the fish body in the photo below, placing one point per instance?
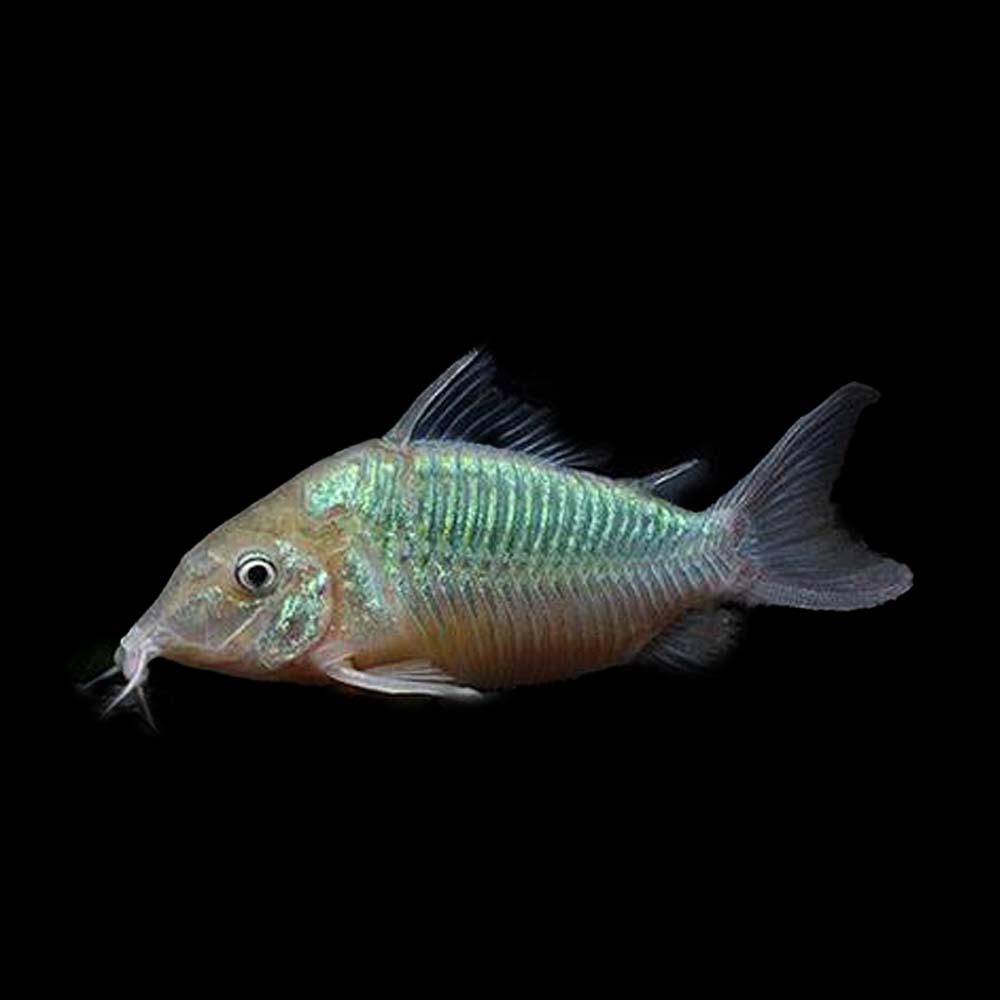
(431, 562)
(501, 568)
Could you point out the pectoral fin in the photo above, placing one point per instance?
(405, 677)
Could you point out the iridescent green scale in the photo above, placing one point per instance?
(502, 558)
(511, 548)
(477, 503)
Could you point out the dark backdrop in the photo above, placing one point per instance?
(230, 322)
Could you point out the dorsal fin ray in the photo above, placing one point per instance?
(466, 404)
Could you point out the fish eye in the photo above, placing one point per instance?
(256, 573)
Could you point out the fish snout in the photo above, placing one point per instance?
(135, 650)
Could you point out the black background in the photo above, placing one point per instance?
(201, 423)
(237, 309)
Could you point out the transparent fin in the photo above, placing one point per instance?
(792, 550)
(466, 404)
(406, 677)
(701, 639)
(670, 483)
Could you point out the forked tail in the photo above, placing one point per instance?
(789, 546)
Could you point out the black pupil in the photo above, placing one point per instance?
(257, 575)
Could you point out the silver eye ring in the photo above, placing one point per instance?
(256, 573)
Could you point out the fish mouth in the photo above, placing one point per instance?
(134, 653)
(132, 659)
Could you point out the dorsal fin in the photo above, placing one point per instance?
(466, 404)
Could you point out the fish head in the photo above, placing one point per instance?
(247, 600)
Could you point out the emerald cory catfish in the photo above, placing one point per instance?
(468, 551)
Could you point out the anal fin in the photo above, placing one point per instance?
(701, 639)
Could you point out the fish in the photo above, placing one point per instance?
(472, 549)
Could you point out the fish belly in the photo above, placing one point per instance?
(505, 570)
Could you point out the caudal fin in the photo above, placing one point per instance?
(788, 544)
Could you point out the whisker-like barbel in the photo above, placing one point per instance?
(99, 679)
(131, 659)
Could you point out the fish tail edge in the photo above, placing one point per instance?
(790, 548)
